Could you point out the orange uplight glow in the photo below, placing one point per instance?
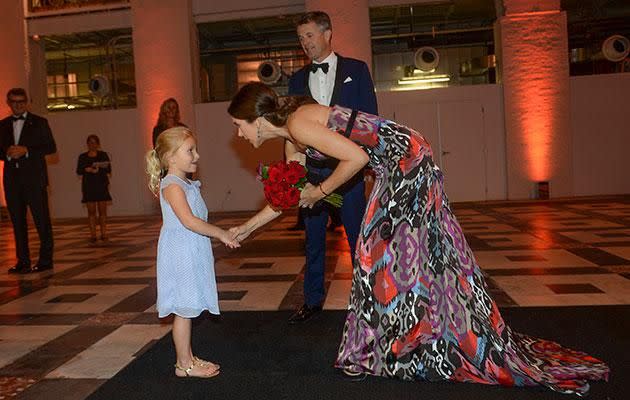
(537, 128)
(537, 71)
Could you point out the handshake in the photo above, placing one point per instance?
(233, 237)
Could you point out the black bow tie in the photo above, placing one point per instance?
(17, 118)
(323, 66)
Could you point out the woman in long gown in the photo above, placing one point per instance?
(419, 306)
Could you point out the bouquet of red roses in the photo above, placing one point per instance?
(283, 183)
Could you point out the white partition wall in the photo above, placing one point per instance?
(600, 128)
(117, 130)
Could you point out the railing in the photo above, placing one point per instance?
(36, 6)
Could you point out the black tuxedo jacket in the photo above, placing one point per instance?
(37, 137)
(353, 85)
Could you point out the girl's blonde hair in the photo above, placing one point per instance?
(166, 144)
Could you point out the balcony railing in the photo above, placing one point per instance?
(39, 6)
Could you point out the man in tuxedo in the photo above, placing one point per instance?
(25, 139)
(330, 79)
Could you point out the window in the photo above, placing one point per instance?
(440, 44)
(599, 36)
(90, 70)
(233, 53)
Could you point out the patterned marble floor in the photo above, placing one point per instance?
(64, 333)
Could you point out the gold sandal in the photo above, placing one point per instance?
(193, 365)
(204, 363)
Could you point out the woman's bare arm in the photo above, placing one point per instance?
(308, 126)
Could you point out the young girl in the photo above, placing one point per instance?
(185, 264)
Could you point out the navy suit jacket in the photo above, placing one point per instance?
(357, 94)
(38, 139)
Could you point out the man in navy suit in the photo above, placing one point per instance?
(25, 140)
(331, 80)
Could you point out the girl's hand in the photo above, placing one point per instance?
(228, 239)
(310, 195)
(240, 232)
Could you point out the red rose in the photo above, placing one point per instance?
(292, 197)
(297, 167)
(295, 172)
(275, 175)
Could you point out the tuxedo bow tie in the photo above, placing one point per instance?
(323, 66)
(17, 118)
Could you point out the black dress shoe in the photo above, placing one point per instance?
(42, 267)
(20, 269)
(304, 314)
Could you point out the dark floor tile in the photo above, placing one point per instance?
(574, 288)
(255, 278)
(72, 298)
(139, 268)
(599, 256)
(103, 281)
(250, 265)
(526, 257)
(147, 319)
(497, 240)
(56, 352)
(232, 294)
(137, 302)
(574, 223)
(546, 271)
(613, 235)
(43, 319)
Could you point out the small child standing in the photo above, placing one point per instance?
(186, 283)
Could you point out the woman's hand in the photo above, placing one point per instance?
(91, 170)
(228, 239)
(240, 232)
(310, 195)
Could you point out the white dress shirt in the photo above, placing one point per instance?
(321, 84)
(17, 128)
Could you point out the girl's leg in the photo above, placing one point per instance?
(102, 218)
(182, 328)
(91, 207)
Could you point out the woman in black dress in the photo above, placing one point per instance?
(94, 167)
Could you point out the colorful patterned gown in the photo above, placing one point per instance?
(420, 306)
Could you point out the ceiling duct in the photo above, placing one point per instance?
(99, 86)
(426, 59)
(269, 72)
(616, 48)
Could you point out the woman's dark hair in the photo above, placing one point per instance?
(256, 99)
(95, 138)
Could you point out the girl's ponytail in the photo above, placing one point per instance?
(154, 170)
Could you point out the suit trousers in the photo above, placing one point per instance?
(19, 195)
(315, 221)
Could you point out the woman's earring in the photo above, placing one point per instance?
(258, 132)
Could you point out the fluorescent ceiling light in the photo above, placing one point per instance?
(425, 79)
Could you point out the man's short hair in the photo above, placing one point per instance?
(321, 19)
(16, 92)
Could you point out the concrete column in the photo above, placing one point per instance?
(37, 74)
(15, 54)
(534, 71)
(351, 26)
(163, 57)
